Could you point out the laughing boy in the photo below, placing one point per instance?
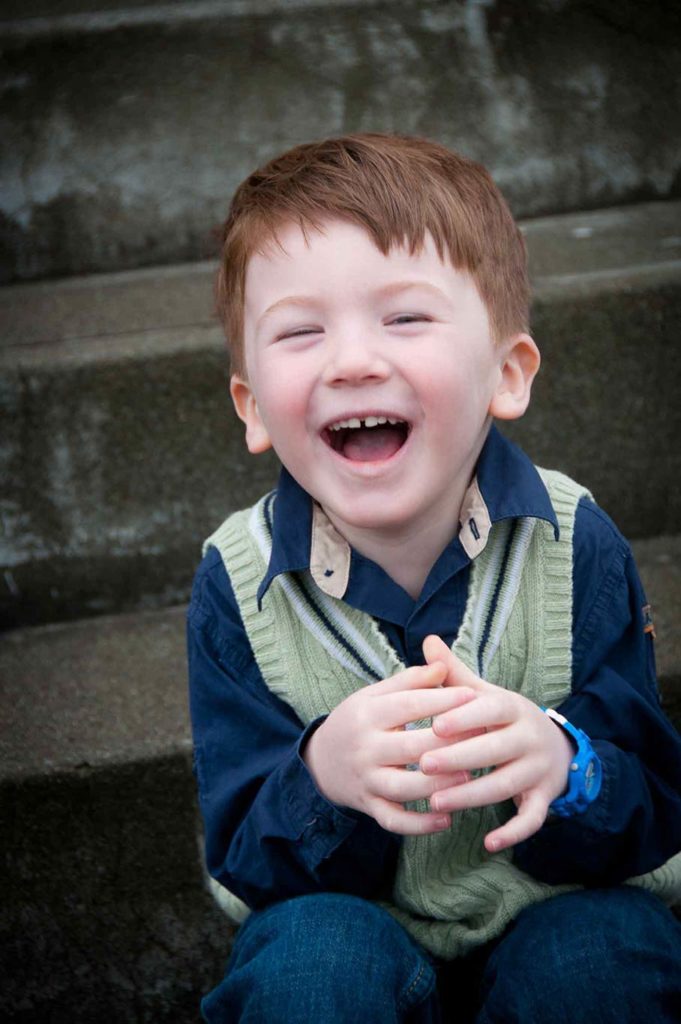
(429, 748)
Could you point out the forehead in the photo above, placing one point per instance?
(337, 255)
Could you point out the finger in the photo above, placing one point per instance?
(458, 674)
(485, 750)
(416, 677)
(394, 818)
(400, 785)
(399, 709)
(400, 747)
(487, 712)
(502, 784)
(529, 819)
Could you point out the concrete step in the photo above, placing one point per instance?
(120, 452)
(127, 125)
(106, 914)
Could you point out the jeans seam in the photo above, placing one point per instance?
(413, 985)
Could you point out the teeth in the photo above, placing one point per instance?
(370, 421)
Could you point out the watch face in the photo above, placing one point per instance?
(590, 775)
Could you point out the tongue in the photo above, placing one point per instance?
(369, 444)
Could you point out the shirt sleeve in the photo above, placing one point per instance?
(634, 825)
(269, 833)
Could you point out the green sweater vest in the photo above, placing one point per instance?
(313, 651)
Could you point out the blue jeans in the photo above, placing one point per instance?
(606, 955)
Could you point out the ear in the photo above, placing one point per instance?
(257, 437)
(519, 365)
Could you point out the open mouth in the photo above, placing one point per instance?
(371, 439)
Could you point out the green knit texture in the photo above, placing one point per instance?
(314, 651)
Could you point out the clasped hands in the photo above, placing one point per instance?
(359, 755)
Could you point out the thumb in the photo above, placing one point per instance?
(458, 674)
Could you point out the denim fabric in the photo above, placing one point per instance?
(324, 958)
(606, 955)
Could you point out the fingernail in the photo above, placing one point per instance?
(442, 823)
(428, 764)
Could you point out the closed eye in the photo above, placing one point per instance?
(299, 332)
(410, 318)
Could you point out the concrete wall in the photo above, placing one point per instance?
(126, 131)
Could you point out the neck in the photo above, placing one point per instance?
(406, 553)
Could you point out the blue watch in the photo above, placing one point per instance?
(585, 775)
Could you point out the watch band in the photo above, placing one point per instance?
(585, 775)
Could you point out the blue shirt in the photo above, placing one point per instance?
(271, 835)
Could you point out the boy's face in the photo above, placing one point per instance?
(373, 377)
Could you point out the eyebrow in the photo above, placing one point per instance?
(386, 292)
(288, 300)
(398, 287)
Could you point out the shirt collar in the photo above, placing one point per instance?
(291, 531)
(506, 486)
(509, 484)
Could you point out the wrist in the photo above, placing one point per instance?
(312, 756)
(584, 772)
(565, 753)
(324, 773)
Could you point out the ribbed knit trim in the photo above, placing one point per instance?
(557, 568)
(358, 651)
(664, 882)
(246, 566)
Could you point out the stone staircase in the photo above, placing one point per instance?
(129, 125)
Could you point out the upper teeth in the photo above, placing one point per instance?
(354, 423)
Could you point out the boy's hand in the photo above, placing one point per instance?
(530, 754)
(358, 755)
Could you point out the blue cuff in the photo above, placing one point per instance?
(321, 826)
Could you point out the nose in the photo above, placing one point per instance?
(354, 357)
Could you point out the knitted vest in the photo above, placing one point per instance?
(314, 651)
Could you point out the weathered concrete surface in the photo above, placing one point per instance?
(120, 453)
(601, 242)
(125, 136)
(151, 299)
(605, 407)
(118, 465)
(105, 913)
(93, 693)
(33, 17)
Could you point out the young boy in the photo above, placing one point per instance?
(374, 647)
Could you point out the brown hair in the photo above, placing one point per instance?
(398, 188)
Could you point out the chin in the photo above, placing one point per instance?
(378, 519)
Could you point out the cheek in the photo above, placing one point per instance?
(281, 399)
(441, 385)
(454, 401)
